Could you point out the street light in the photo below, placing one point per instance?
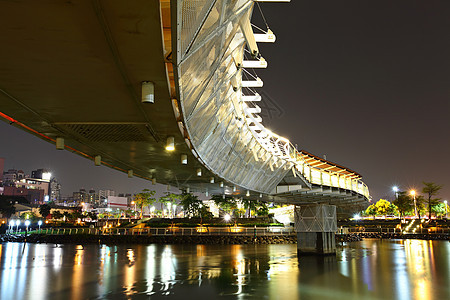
(413, 193)
(174, 210)
(395, 189)
(40, 223)
(17, 226)
(27, 223)
(11, 225)
(152, 210)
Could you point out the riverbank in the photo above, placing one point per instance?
(202, 239)
(148, 239)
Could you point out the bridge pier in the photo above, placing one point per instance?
(315, 225)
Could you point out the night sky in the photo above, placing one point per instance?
(366, 83)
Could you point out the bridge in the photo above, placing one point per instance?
(159, 89)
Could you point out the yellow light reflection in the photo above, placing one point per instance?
(130, 273)
(418, 263)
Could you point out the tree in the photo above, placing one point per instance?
(371, 210)
(92, 215)
(263, 209)
(68, 216)
(170, 198)
(439, 209)
(191, 204)
(431, 189)
(381, 208)
(145, 198)
(227, 203)
(7, 209)
(57, 215)
(44, 210)
(404, 203)
(76, 215)
(384, 207)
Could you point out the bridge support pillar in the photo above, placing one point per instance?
(316, 225)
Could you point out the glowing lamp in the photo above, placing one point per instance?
(170, 144)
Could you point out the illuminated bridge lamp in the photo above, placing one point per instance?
(153, 181)
(221, 184)
(130, 173)
(148, 92)
(211, 180)
(170, 144)
(206, 193)
(248, 193)
(199, 172)
(184, 159)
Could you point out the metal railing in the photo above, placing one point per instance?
(438, 230)
(188, 231)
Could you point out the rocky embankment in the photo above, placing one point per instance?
(148, 239)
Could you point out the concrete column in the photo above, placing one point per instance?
(316, 225)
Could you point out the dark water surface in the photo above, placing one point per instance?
(373, 269)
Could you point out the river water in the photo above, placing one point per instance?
(373, 269)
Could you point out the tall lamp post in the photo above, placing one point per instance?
(17, 226)
(413, 193)
(395, 189)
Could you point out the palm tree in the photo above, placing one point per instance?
(431, 189)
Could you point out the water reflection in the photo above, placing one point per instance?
(372, 269)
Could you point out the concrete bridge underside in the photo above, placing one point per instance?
(73, 72)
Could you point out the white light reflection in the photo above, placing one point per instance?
(168, 267)
(150, 268)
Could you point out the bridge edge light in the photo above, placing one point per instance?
(170, 143)
(184, 159)
(199, 172)
(130, 173)
(148, 92)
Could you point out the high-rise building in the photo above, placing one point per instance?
(55, 190)
(81, 196)
(104, 194)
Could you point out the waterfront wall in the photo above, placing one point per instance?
(145, 239)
